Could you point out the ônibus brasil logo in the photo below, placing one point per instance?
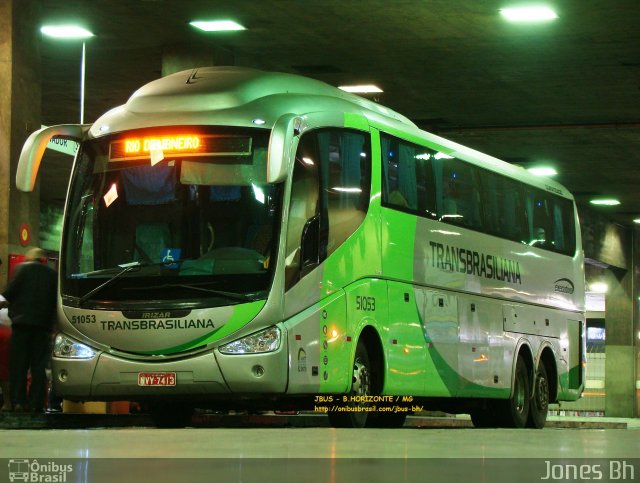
(35, 471)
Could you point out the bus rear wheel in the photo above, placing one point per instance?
(516, 408)
(361, 382)
(540, 401)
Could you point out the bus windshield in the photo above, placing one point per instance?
(168, 215)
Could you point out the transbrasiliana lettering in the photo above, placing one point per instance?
(157, 324)
(461, 260)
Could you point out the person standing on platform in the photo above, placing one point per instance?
(5, 335)
(31, 299)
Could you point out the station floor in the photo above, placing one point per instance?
(301, 449)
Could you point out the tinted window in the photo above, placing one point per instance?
(426, 182)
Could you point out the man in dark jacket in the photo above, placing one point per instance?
(31, 298)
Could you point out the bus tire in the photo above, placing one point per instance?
(539, 406)
(360, 386)
(171, 415)
(516, 408)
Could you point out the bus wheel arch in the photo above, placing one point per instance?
(387, 419)
(367, 379)
(370, 338)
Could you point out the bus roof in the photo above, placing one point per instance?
(236, 96)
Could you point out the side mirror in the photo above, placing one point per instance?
(34, 147)
(310, 246)
(282, 136)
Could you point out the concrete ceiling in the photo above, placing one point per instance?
(565, 92)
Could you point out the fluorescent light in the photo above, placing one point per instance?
(217, 25)
(66, 32)
(532, 13)
(598, 287)
(542, 171)
(361, 89)
(605, 202)
(345, 189)
(637, 220)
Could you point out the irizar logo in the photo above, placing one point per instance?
(564, 285)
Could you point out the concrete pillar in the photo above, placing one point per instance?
(178, 57)
(620, 348)
(636, 317)
(20, 93)
(615, 246)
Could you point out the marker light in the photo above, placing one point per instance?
(66, 32)
(361, 89)
(605, 202)
(217, 25)
(533, 13)
(542, 171)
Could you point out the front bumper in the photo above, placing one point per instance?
(209, 374)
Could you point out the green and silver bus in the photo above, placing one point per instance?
(241, 239)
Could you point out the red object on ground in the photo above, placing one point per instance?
(5, 335)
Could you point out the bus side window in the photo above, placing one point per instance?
(345, 178)
(540, 220)
(304, 204)
(407, 177)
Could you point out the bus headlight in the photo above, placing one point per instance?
(267, 340)
(68, 348)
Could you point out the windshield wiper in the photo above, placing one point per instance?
(230, 295)
(124, 268)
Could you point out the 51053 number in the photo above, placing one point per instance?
(366, 304)
(83, 319)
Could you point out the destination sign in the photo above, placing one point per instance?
(184, 144)
(66, 146)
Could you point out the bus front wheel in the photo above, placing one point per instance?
(353, 414)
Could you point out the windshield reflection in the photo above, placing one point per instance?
(178, 220)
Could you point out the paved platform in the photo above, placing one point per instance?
(271, 420)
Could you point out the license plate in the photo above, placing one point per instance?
(156, 379)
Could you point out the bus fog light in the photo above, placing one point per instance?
(63, 376)
(267, 340)
(67, 348)
(258, 371)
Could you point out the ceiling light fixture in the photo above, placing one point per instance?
(72, 32)
(66, 32)
(217, 25)
(637, 220)
(605, 202)
(531, 13)
(542, 171)
(361, 89)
